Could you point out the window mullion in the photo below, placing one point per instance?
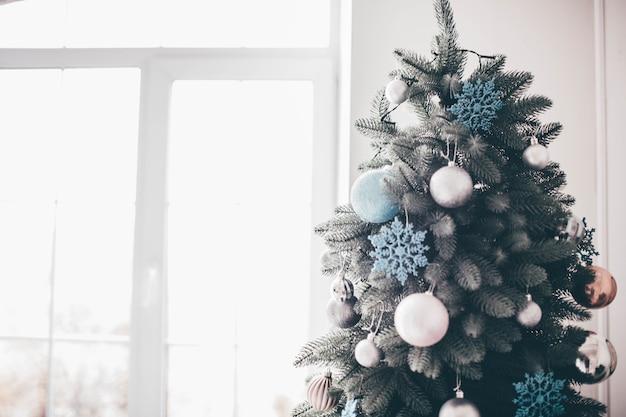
(147, 358)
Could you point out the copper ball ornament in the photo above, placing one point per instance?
(451, 186)
(597, 294)
(421, 319)
(318, 393)
(596, 360)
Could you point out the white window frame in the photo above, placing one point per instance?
(160, 67)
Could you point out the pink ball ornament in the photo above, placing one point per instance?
(421, 319)
(451, 186)
(318, 393)
(397, 91)
(371, 200)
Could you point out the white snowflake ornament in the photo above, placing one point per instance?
(399, 251)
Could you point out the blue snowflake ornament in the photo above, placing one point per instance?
(540, 396)
(399, 251)
(477, 105)
(351, 408)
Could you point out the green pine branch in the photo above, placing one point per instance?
(326, 349)
(345, 230)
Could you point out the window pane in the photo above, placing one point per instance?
(23, 378)
(247, 23)
(68, 150)
(26, 246)
(93, 269)
(89, 380)
(29, 133)
(32, 24)
(239, 236)
(150, 23)
(98, 144)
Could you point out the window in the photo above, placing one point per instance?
(158, 191)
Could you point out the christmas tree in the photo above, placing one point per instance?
(459, 274)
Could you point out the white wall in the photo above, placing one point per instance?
(574, 48)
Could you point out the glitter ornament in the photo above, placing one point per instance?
(421, 319)
(341, 289)
(318, 392)
(451, 186)
(530, 315)
(397, 91)
(399, 251)
(596, 359)
(536, 155)
(341, 313)
(477, 105)
(366, 353)
(352, 408)
(540, 395)
(371, 200)
(458, 407)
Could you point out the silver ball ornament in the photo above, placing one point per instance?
(421, 319)
(366, 353)
(536, 156)
(596, 360)
(397, 91)
(451, 186)
(530, 315)
(341, 313)
(573, 230)
(341, 289)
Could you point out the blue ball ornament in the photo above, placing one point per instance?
(371, 200)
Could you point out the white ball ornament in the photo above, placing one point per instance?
(366, 353)
(530, 315)
(536, 155)
(397, 91)
(451, 186)
(421, 319)
(458, 407)
(371, 200)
